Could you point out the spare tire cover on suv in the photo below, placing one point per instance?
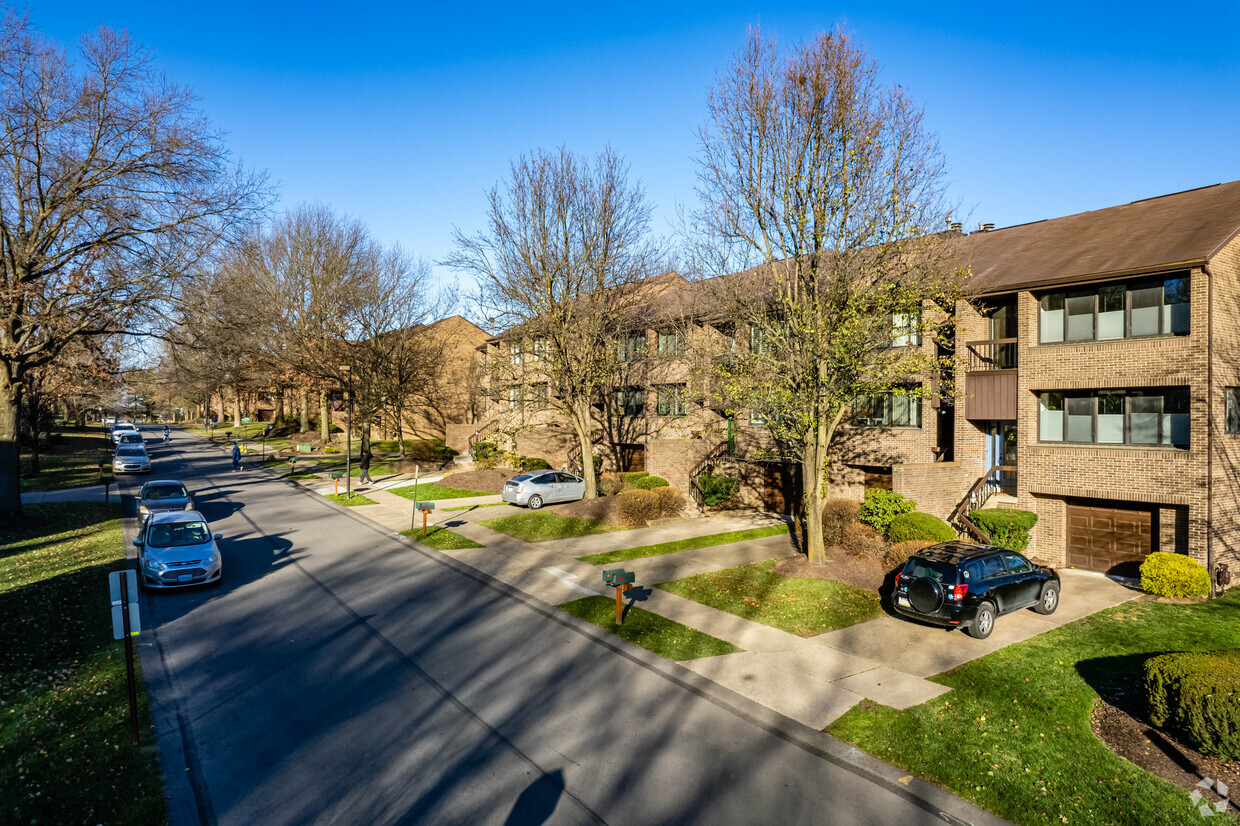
(925, 594)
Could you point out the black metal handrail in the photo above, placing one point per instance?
(981, 490)
(991, 354)
(706, 466)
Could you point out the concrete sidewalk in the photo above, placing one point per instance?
(91, 493)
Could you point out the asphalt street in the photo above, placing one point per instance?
(339, 674)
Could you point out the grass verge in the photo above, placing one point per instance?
(543, 527)
(1014, 735)
(71, 462)
(430, 492)
(351, 502)
(471, 507)
(64, 733)
(689, 544)
(805, 607)
(441, 539)
(664, 637)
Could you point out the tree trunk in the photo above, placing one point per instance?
(580, 418)
(10, 452)
(303, 400)
(278, 418)
(400, 433)
(814, 464)
(236, 408)
(324, 424)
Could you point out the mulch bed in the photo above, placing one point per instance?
(863, 573)
(490, 481)
(606, 509)
(1160, 753)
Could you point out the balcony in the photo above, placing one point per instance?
(990, 379)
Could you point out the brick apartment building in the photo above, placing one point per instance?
(1098, 385)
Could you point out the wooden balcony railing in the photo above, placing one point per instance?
(991, 354)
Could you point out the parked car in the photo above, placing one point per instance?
(121, 428)
(131, 459)
(159, 496)
(108, 421)
(533, 490)
(130, 437)
(176, 550)
(957, 584)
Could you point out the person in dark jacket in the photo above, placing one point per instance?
(364, 464)
(236, 456)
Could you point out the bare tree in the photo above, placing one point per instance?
(112, 186)
(828, 185)
(567, 243)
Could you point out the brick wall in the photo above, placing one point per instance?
(1224, 457)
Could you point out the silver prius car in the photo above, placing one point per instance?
(534, 490)
(177, 549)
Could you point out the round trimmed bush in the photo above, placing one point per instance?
(670, 501)
(1174, 575)
(1197, 694)
(837, 515)
(637, 507)
(534, 463)
(650, 483)
(632, 477)
(862, 541)
(927, 526)
(881, 506)
(608, 486)
(1007, 527)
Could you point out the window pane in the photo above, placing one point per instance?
(1080, 316)
(1003, 321)
(1146, 310)
(1111, 311)
(1051, 318)
(1231, 400)
(1050, 417)
(1080, 411)
(1145, 414)
(899, 411)
(1175, 306)
(1111, 418)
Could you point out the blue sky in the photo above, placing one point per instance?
(405, 114)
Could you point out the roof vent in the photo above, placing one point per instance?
(956, 226)
(987, 227)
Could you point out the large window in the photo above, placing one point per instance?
(897, 409)
(1231, 403)
(540, 397)
(672, 400)
(631, 401)
(906, 330)
(758, 343)
(1112, 311)
(514, 352)
(540, 349)
(672, 343)
(1137, 417)
(514, 397)
(631, 347)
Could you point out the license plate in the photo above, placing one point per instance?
(902, 601)
(185, 577)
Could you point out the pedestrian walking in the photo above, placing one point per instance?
(364, 464)
(236, 457)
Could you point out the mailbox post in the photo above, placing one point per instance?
(622, 581)
(426, 508)
(335, 477)
(123, 592)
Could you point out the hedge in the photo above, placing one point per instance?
(637, 506)
(1174, 575)
(650, 483)
(534, 463)
(837, 515)
(717, 488)
(910, 526)
(632, 477)
(881, 506)
(1006, 527)
(1197, 695)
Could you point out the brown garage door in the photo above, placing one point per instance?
(632, 458)
(782, 487)
(1111, 540)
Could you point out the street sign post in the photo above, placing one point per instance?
(123, 592)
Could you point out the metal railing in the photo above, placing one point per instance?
(707, 466)
(991, 354)
(985, 487)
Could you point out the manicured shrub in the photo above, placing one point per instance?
(534, 463)
(899, 552)
(670, 501)
(860, 540)
(650, 483)
(1197, 695)
(637, 507)
(881, 506)
(609, 486)
(331, 450)
(916, 525)
(837, 515)
(1174, 575)
(430, 450)
(484, 450)
(632, 477)
(718, 489)
(1007, 528)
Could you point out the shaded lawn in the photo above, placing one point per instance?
(805, 607)
(351, 502)
(664, 637)
(544, 526)
(73, 463)
(441, 539)
(64, 733)
(301, 474)
(471, 507)
(1014, 735)
(431, 492)
(682, 545)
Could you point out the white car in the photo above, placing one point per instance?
(131, 459)
(177, 549)
(123, 427)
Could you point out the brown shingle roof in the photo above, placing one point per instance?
(1156, 233)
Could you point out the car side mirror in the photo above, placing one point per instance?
(219, 536)
(138, 542)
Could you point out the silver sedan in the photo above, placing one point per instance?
(533, 490)
(131, 459)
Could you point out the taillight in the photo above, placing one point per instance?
(520, 488)
(957, 592)
(899, 576)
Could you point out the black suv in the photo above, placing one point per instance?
(958, 584)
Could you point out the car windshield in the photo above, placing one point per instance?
(938, 571)
(130, 437)
(177, 534)
(129, 452)
(165, 492)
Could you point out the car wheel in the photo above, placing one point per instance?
(1049, 601)
(535, 502)
(984, 623)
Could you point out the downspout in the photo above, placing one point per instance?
(1205, 268)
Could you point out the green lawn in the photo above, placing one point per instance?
(471, 507)
(441, 539)
(1014, 734)
(682, 545)
(805, 607)
(543, 526)
(64, 732)
(664, 637)
(430, 492)
(301, 474)
(351, 502)
(72, 462)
